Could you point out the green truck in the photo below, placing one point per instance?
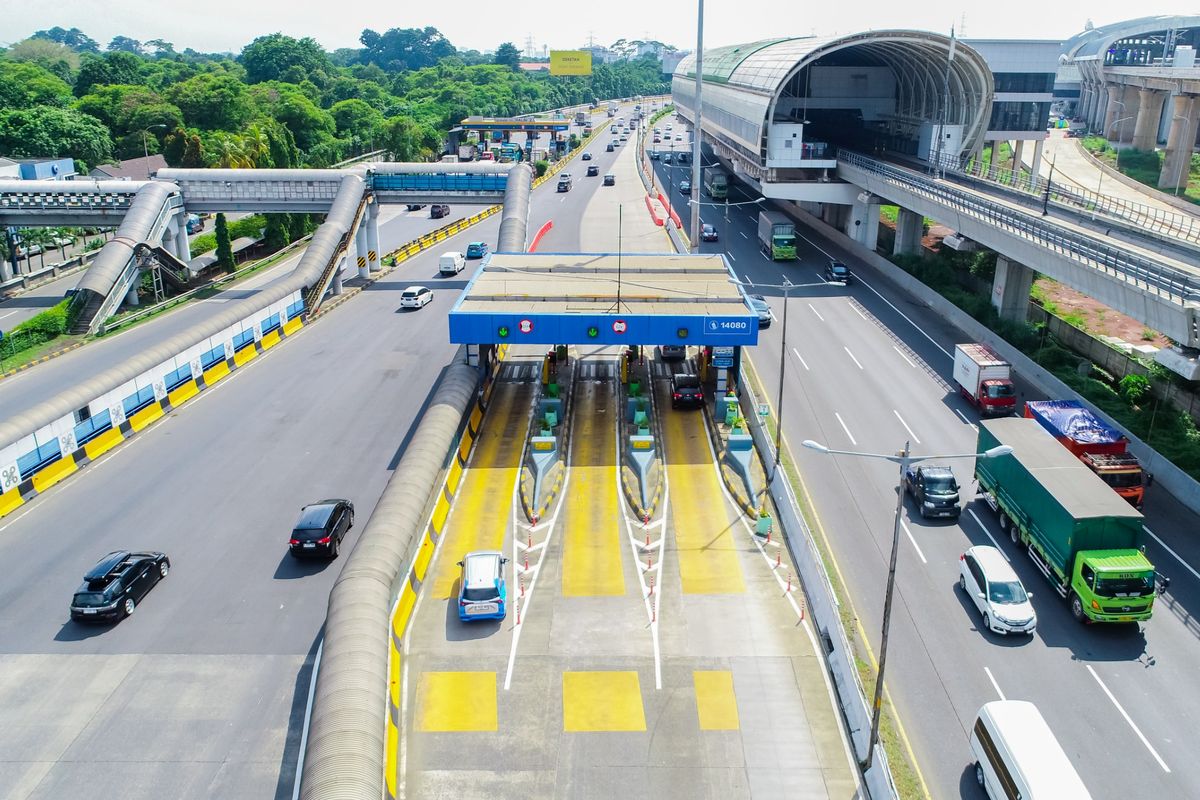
(1085, 538)
(777, 236)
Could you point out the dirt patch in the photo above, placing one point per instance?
(1093, 316)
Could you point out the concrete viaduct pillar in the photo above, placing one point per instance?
(863, 224)
(6, 270)
(373, 236)
(1038, 146)
(335, 286)
(360, 250)
(1112, 113)
(1128, 116)
(1010, 289)
(909, 228)
(1018, 155)
(1184, 119)
(1149, 114)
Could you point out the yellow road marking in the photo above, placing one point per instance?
(482, 511)
(708, 559)
(602, 701)
(457, 701)
(591, 541)
(716, 706)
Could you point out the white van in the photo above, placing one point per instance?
(1017, 755)
(451, 263)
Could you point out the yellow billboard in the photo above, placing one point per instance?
(570, 62)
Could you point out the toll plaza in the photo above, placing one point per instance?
(501, 129)
(646, 616)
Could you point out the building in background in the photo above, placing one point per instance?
(47, 169)
(1023, 75)
(132, 169)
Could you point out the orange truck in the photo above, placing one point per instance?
(1101, 447)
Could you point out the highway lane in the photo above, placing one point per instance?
(937, 675)
(396, 227)
(201, 692)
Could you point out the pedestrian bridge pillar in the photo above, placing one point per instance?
(360, 250)
(373, 236)
(863, 223)
(1010, 289)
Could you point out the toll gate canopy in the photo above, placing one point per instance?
(603, 299)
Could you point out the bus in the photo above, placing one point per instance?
(509, 152)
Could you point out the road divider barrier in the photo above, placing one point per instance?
(544, 467)
(542, 231)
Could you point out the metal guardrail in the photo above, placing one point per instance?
(1092, 251)
(1151, 218)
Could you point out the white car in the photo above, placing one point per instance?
(415, 297)
(988, 579)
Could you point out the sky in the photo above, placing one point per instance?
(227, 25)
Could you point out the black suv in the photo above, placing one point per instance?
(321, 528)
(439, 210)
(934, 489)
(686, 391)
(593, 170)
(112, 589)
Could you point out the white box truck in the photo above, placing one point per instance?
(984, 378)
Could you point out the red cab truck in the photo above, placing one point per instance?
(1101, 447)
(985, 379)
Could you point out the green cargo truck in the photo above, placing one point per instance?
(1082, 535)
(777, 236)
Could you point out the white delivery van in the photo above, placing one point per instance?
(1017, 755)
(451, 263)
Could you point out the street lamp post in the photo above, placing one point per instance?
(1049, 179)
(145, 150)
(904, 458)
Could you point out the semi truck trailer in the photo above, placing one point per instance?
(777, 235)
(1084, 538)
(1102, 448)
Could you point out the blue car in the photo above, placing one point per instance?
(477, 250)
(481, 591)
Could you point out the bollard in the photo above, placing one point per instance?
(651, 585)
(535, 519)
(529, 541)
(647, 539)
(653, 611)
(777, 559)
(527, 562)
(518, 611)
(650, 562)
(789, 585)
(521, 581)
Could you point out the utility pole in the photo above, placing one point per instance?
(696, 133)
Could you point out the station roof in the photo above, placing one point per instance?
(539, 124)
(546, 298)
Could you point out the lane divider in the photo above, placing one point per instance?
(542, 231)
(659, 221)
(407, 598)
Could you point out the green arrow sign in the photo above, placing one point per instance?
(502, 331)
(593, 332)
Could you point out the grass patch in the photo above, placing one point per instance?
(246, 226)
(36, 336)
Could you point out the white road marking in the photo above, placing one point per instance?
(905, 424)
(1136, 730)
(797, 354)
(747, 277)
(983, 527)
(9, 314)
(820, 277)
(912, 539)
(964, 419)
(906, 358)
(743, 233)
(995, 685)
(1164, 545)
(853, 441)
(732, 257)
(818, 313)
(856, 311)
(852, 358)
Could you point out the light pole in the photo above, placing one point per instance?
(145, 151)
(697, 128)
(904, 458)
(1049, 178)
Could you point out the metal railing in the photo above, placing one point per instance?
(1145, 216)
(1133, 268)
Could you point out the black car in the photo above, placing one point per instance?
(586, 157)
(654, 154)
(686, 390)
(610, 180)
(415, 206)
(321, 528)
(439, 210)
(685, 187)
(112, 589)
(708, 233)
(592, 170)
(609, 148)
(837, 272)
(934, 489)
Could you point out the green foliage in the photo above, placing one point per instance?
(183, 148)
(126, 44)
(117, 67)
(281, 58)
(508, 55)
(540, 167)
(25, 84)
(356, 118)
(404, 48)
(48, 132)
(224, 249)
(39, 329)
(246, 226)
(57, 59)
(73, 38)
(213, 101)
(1135, 389)
(128, 108)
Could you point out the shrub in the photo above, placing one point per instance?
(540, 167)
(1134, 388)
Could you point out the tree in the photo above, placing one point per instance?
(115, 67)
(48, 132)
(408, 140)
(405, 48)
(357, 119)
(308, 123)
(73, 38)
(159, 48)
(278, 57)
(24, 85)
(54, 57)
(124, 43)
(508, 55)
(183, 148)
(228, 151)
(213, 101)
(224, 246)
